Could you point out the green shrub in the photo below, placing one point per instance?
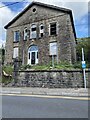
(24, 67)
(6, 80)
(77, 65)
(61, 65)
(8, 70)
(64, 65)
(39, 67)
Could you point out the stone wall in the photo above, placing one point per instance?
(52, 78)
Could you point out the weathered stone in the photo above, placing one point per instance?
(65, 37)
(49, 79)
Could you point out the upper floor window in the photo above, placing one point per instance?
(33, 33)
(53, 28)
(34, 9)
(16, 36)
(25, 34)
(41, 29)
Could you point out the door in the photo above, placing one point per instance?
(33, 58)
(33, 55)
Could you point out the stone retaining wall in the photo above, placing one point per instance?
(52, 78)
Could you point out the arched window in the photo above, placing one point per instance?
(33, 33)
(33, 48)
(25, 33)
(41, 29)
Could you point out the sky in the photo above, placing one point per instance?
(79, 9)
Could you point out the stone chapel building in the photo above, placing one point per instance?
(40, 31)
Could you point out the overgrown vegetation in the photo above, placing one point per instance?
(2, 55)
(9, 71)
(5, 80)
(85, 44)
(61, 65)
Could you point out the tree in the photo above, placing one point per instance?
(2, 54)
(83, 43)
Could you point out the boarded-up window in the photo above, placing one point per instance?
(53, 48)
(15, 52)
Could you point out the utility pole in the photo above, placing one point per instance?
(83, 67)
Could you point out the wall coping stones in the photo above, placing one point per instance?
(55, 70)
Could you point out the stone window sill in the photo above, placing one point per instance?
(16, 42)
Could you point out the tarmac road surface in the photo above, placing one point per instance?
(15, 106)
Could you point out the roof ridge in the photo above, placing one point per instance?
(51, 5)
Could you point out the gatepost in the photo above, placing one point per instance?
(16, 69)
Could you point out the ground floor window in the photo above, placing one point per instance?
(16, 36)
(53, 48)
(15, 52)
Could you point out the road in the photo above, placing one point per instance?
(43, 107)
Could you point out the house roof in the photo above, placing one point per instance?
(43, 5)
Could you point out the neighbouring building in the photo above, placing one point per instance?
(39, 32)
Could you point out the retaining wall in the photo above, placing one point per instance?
(52, 78)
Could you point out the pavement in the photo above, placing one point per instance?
(79, 92)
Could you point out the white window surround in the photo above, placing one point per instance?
(33, 32)
(25, 33)
(33, 49)
(15, 52)
(41, 30)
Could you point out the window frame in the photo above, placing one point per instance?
(15, 52)
(50, 29)
(33, 32)
(17, 36)
(41, 30)
(25, 34)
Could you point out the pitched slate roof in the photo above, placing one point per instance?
(43, 5)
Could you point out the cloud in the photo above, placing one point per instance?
(5, 16)
(79, 9)
(2, 43)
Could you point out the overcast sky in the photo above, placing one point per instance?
(79, 9)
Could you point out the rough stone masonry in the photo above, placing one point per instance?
(63, 33)
(52, 78)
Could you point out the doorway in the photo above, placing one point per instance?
(33, 55)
